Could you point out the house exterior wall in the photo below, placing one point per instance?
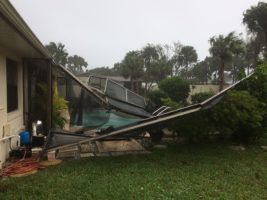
(194, 89)
(10, 123)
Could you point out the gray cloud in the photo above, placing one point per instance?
(102, 31)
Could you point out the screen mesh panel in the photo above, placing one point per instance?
(115, 91)
(135, 99)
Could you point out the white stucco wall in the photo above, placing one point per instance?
(194, 89)
(14, 119)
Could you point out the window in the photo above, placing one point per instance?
(12, 85)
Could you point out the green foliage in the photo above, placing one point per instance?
(186, 57)
(170, 103)
(58, 52)
(132, 67)
(76, 64)
(240, 115)
(57, 120)
(201, 72)
(225, 48)
(257, 84)
(155, 97)
(200, 97)
(157, 64)
(194, 127)
(255, 19)
(176, 88)
(241, 74)
(59, 104)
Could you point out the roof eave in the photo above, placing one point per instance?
(12, 16)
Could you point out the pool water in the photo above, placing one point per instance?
(101, 118)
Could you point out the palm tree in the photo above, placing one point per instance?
(150, 56)
(58, 52)
(76, 64)
(187, 57)
(224, 48)
(132, 66)
(255, 20)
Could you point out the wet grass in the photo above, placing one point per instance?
(204, 171)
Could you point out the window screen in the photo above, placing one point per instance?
(12, 85)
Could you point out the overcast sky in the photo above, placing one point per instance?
(103, 31)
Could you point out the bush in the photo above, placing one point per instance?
(176, 88)
(194, 127)
(155, 97)
(240, 115)
(257, 86)
(200, 97)
(170, 103)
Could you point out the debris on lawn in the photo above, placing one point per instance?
(264, 148)
(102, 148)
(237, 148)
(160, 146)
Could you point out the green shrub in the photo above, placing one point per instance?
(170, 103)
(200, 97)
(194, 127)
(59, 104)
(257, 86)
(176, 88)
(240, 115)
(155, 97)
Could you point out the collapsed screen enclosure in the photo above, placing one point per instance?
(75, 106)
(72, 104)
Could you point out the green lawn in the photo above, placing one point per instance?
(207, 171)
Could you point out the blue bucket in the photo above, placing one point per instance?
(24, 137)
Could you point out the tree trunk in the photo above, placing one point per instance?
(132, 84)
(234, 73)
(137, 87)
(221, 76)
(255, 58)
(146, 89)
(186, 71)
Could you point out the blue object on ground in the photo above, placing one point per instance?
(24, 137)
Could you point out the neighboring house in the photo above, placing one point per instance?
(194, 89)
(20, 53)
